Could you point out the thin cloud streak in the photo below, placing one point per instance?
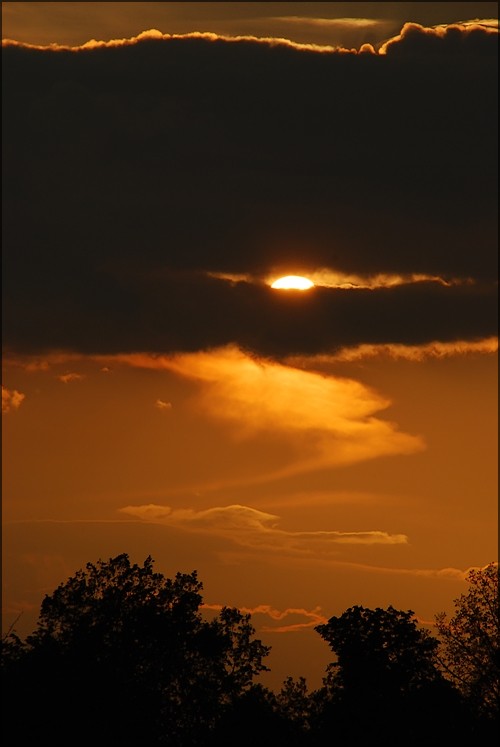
(418, 353)
(334, 22)
(329, 278)
(315, 616)
(415, 353)
(70, 521)
(331, 562)
(252, 528)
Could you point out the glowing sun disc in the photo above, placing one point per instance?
(292, 282)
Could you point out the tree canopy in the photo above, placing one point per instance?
(118, 637)
(471, 640)
(382, 649)
(385, 681)
(123, 657)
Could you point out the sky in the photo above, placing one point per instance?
(304, 451)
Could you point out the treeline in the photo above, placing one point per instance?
(122, 656)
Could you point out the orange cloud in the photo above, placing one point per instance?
(252, 528)
(162, 405)
(414, 32)
(314, 617)
(334, 22)
(395, 351)
(333, 279)
(327, 421)
(421, 352)
(11, 399)
(68, 377)
(322, 421)
(289, 560)
(35, 364)
(360, 25)
(155, 34)
(328, 278)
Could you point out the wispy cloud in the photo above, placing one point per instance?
(395, 351)
(252, 528)
(329, 278)
(331, 561)
(314, 617)
(35, 364)
(334, 22)
(327, 421)
(69, 377)
(416, 353)
(160, 404)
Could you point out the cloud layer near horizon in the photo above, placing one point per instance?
(136, 176)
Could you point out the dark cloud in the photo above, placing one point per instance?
(130, 172)
(196, 312)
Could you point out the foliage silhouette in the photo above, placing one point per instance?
(122, 652)
(471, 641)
(293, 701)
(122, 657)
(385, 686)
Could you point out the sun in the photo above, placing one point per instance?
(293, 282)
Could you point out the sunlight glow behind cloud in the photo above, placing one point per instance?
(292, 282)
(330, 278)
(298, 449)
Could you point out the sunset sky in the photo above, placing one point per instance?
(303, 450)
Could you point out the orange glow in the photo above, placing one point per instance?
(292, 282)
(243, 467)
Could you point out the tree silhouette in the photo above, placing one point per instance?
(123, 652)
(380, 649)
(121, 656)
(293, 701)
(253, 720)
(385, 686)
(471, 641)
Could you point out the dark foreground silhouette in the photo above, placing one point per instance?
(122, 657)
